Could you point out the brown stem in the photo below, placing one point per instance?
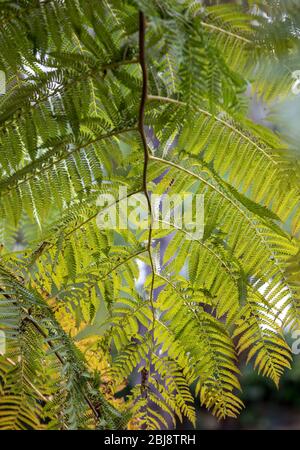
(141, 125)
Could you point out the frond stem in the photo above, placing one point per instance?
(104, 209)
(19, 177)
(123, 262)
(159, 98)
(34, 323)
(229, 33)
(64, 87)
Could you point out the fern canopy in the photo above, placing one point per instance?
(148, 98)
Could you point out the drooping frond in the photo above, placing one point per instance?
(33, 336)
(115, 102)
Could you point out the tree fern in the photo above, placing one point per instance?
(145, 98)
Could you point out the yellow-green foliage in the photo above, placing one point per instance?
(71, 128)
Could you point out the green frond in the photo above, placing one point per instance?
(132, 100)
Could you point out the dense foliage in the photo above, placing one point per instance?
(152, 96)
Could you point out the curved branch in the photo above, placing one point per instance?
(141, 125)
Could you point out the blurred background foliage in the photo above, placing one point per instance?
(265, 406)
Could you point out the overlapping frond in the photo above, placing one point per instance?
(32, 336)
(159, 308)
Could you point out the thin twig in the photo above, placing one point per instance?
(141, 125)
